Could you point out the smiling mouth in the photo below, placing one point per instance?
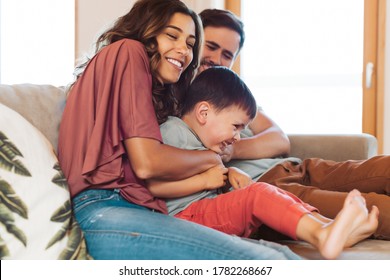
(207, 64)
(175, 62)
(224, 144)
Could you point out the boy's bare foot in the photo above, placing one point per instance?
(351, 225)
(365, 230)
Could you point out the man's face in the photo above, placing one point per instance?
(221, 47)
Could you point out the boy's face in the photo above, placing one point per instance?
(222, 128)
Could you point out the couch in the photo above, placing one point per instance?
(41, 106)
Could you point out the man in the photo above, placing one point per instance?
(224, 38)
(323, 184)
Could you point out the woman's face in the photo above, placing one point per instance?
(175, 45)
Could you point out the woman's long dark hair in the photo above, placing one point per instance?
(144, 22)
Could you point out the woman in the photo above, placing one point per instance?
(110, 141)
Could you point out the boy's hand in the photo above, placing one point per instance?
(238, 178)
(214, 177)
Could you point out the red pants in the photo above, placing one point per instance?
(239, 212)
(325, 184)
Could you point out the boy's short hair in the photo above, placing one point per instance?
(222, 88)
(223, 18)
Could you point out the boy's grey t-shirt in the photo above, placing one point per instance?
(176, 133)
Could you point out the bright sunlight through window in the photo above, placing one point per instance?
(303, 60)
(37, 41)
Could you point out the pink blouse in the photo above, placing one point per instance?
(110, 102)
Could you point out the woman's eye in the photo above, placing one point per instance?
(171, 36)
(190, 45)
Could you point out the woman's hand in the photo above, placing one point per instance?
(238, 178)
(214, 177)
(210, 179)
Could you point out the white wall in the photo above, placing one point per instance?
(94, 16)
(200, 5)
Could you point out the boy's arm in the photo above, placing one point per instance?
(212, 178)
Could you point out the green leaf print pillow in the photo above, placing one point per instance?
(36, 221)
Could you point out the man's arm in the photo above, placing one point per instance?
(268, 141)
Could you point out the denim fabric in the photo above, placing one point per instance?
(117, 229)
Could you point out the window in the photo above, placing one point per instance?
(37, 41)
(303, 61)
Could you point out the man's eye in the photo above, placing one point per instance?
(228, 57)
(211, 47)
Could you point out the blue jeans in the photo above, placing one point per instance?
(117, 229)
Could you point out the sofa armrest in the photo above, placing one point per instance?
(338, 147)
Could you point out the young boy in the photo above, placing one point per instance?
(218, 106)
